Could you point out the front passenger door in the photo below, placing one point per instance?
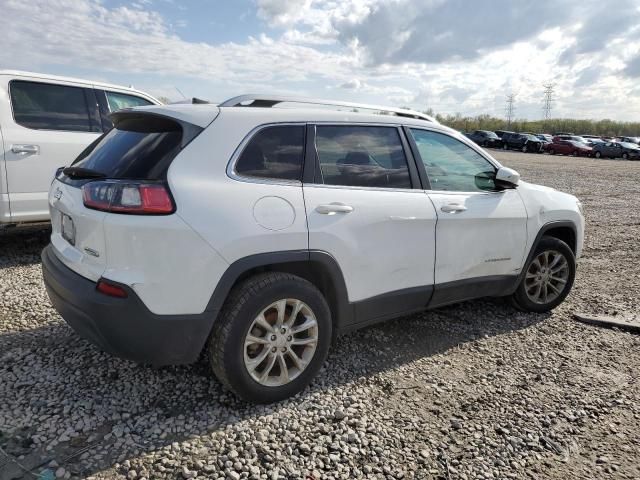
(481, 232)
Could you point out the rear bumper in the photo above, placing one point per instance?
(122, 326)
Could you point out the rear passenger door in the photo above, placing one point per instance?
(47, 126)
(366, 208)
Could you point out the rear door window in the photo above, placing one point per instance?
(275, 152)
(139, 147)
(44, 106)
(361, 156)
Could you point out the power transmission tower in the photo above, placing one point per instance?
(510, 109)
(547, 103)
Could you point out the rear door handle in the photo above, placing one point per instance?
(333, 208)
(33, 149)
(453, 208)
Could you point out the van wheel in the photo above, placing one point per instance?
(548, 277)
(271, 337)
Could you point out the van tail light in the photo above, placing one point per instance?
(111, 290)
(140, 198)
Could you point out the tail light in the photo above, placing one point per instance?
(141, 198)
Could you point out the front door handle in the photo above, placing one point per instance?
(453, 208)
(333, 208)
(32, 149)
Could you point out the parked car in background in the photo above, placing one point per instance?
(485, 138)
(567, 147)
(624, 150)
(545, 138)
(573, 138)
(521, 141)
(502, 133)
(259, 260)
(593, 139)
(46, 121)
(635, 140)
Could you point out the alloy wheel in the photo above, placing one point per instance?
(547, 277)
(281, 342)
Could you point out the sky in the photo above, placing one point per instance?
(454, 56)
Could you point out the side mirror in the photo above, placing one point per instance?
(507, 178)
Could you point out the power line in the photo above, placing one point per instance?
(510, 109)
(547, 103)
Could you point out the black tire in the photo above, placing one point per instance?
(524, 148)
(574, 153)
(625, 156)
(598, 154)
(520, 298)
(505, 146)
(245, 302)
(485, 144)
(552, 151)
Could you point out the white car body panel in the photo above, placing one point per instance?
(26, 177)
(387, 243)
(488, 238)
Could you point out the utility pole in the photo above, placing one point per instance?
(510, 109)
(547, 103)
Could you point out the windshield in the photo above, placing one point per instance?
(491, 135)
(578, 144)
(629, 145)
(579, 139)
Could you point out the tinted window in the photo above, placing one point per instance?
(362, 156)
(274, 152)
(44, 106)
(118, 101)
(451, 165)
(140, 147)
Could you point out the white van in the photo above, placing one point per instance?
(45, 122)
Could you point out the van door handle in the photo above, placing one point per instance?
(453, 208)
(33, 149)
(333, 208)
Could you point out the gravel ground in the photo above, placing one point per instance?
(475, 390)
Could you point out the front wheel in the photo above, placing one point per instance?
(552, 151)
(548, 277)
(505, 146)
(524, 149)
(271, 337)
(625, 156)
(598, 154)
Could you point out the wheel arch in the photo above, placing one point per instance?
(564, 230)
(318, 267)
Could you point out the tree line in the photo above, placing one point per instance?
(605, 127)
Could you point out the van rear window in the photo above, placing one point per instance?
(139, 147)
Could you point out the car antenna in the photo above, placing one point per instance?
(180, 92)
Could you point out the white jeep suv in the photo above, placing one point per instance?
(257, 233)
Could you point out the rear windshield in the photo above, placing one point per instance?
(138, 147)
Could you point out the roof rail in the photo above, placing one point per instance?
(253, 100)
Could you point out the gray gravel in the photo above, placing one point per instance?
(470, 391)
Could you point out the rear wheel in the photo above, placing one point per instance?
(505, 146)
(548, 277)
(598, 154)
(524, 148)
(625, 155)
(552, 151)
(271, 337)
(574, 153)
